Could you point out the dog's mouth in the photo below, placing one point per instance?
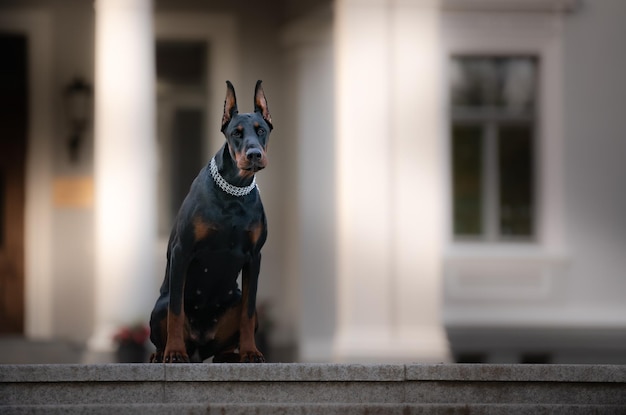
(254, 168)
(249, 171)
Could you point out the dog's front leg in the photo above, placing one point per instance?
(249, 280)
(175, 350)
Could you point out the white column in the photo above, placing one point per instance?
(363, 168)
(419, 178)
(390, 181)
(125, 188)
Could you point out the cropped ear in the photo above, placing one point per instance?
(260, 104)
(230, 105)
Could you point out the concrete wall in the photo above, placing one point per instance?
(595, 142)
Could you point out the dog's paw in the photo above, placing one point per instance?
(156, 357)
(175, 357)
(252, 357)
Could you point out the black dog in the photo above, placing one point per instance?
(219, 232)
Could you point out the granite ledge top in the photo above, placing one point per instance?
(311, 372)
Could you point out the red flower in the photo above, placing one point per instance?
(137, 333)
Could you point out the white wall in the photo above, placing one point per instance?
(311, 249)
(594, 84)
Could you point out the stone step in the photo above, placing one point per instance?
(312, 389)
(313, 409)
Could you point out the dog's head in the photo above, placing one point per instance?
(247, 134)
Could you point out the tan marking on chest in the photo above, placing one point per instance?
(201, 228)
(255, 233)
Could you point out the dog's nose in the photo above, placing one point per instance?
(254, 154)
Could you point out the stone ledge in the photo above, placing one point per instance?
(295, 372)
(307, 386)
(518, 373)
(134, 372)
(314, 409)
(285, 372)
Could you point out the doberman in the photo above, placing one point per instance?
(218, 233)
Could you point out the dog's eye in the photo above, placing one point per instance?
(260, 131)
(237, 134)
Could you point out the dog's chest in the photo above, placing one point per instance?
(234, 226)
(217, 262)
(218, 259)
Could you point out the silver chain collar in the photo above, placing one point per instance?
(227, 187)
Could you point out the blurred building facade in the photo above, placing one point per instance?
(445, 178)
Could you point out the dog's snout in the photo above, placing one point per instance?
(254, 155)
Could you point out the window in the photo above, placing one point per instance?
(493, 129)
(181, 127)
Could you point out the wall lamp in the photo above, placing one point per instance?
(78, 109)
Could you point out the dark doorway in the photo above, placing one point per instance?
(181, 69)
(13, 131)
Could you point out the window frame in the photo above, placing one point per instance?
(498, 33)
(490, 120)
